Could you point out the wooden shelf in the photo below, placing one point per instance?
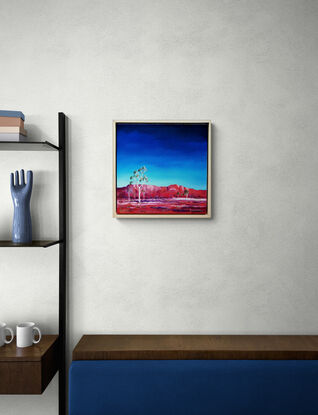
(162, 347)
(27, 146)
(34, 244)
(28, 370)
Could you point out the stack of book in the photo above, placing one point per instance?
(12, 126)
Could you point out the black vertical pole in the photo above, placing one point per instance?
(62, 267)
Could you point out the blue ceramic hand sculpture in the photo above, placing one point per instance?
(21, 196)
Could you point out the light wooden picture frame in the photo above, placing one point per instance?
(162, 169)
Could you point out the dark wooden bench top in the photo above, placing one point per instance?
(160, 347)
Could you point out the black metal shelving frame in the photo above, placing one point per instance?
(62, 241)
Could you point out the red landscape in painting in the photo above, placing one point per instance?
(165, 200)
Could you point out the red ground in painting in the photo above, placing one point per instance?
(162, 206)
(161, 200)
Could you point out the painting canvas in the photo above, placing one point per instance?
(162, 169)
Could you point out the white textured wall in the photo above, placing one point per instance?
(249, 66)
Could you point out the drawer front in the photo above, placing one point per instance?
(20, 378)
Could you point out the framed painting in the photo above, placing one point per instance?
(162, 169)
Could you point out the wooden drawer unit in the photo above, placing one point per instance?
(28, 370)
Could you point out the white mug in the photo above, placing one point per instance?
(3, 338)
(25, 334)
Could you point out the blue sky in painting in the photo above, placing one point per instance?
(172, 153)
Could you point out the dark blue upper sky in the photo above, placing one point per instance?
(172, 153)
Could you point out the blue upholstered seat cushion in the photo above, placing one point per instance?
(194, 387)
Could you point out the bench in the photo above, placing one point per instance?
(194, 375)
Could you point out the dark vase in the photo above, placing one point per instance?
(21, 196)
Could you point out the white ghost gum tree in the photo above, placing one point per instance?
(138, 179)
